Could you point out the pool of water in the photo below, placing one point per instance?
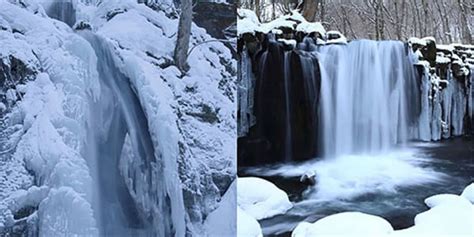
(391, 184)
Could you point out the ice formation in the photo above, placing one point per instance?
(118, 140)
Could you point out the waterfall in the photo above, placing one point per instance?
(118, 114)
(332, 100)
(63, 10)
(366, 96)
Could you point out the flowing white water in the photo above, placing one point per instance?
(364, 97)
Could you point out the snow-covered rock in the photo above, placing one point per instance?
(335, 37)
(261, 199)
(444, 199)
(249, 23)
(247, 225)
(468, 193)
(448, 218)
(345, 224)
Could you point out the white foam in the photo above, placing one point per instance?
(350, 176)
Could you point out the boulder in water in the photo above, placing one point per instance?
(345, 224)
(260, 198)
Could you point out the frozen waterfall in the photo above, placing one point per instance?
(117, 114)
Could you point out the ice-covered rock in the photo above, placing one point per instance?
(260, 198)
(345, 224)
(247, 225)
(468, 193)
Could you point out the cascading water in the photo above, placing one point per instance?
(123, 207)
(116, 114)
(332, 100)
(365, 96)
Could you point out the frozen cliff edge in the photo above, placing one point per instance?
(190, 117)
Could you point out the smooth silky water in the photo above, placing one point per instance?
(371, 106)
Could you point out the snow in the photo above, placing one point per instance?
(249, 23)
(291, 42)
(222, 221)
(201, 150)
(414, 40)
(345, 224)
(53, 115)
(468, 193)
(247, 225)
(442, 60)
(449, 217)
(445, 47)
(311, 27)
(340, 38)
(441, 199)
(261, 199)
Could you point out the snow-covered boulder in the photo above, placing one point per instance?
(335, 37)
(345, 224)
(443, 199)
(468, 193)
(449, 216)
(260, 198)
(247, 225)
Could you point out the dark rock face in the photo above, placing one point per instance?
(286, 111)
(13, 72)
(214, 17)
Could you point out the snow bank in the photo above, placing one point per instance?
(247, 226)
(345, 224)
(468, 193)
(260, 198)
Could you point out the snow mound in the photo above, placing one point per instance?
(345, 224)
(450, 215)
(468, 193)
(247, 226)
(260, 198)
(442, 199)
